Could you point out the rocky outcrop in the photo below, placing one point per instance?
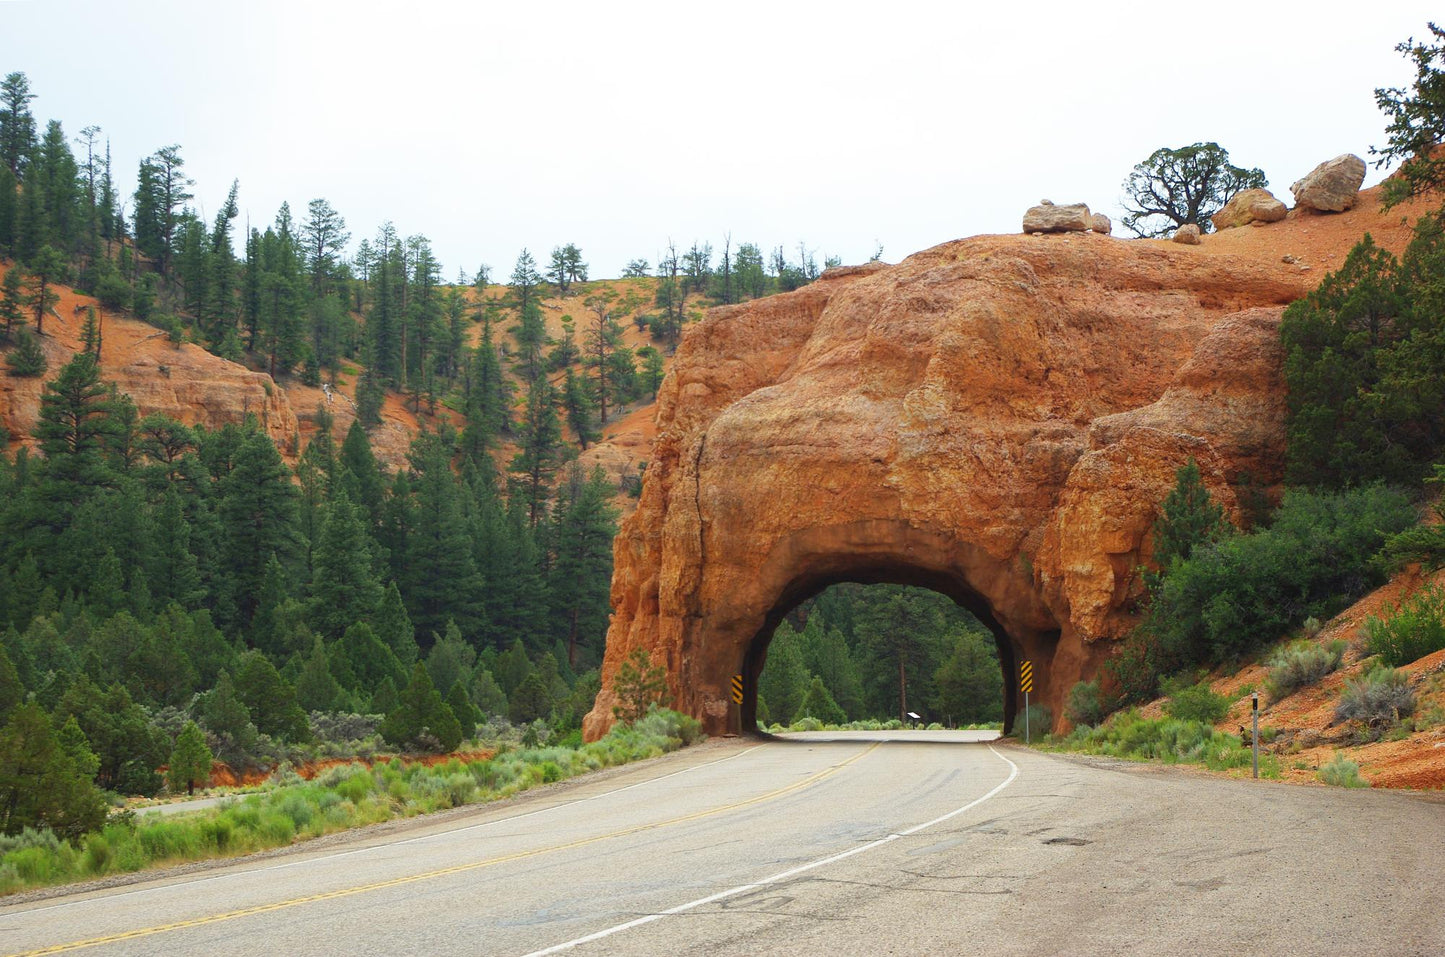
(184, 382)
(1249, 206)
(1048, 218)
(1332, 186)
(994, 418)
(1188, 235)
(1101, 224)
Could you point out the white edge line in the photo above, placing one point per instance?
(785, 875)
(101, 896)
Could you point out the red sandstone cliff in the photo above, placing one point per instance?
(997, 418)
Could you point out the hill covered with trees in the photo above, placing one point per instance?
(311, 592)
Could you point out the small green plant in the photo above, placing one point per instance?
(1299, 664)
(1040, 721)
(1195, 703)
(1410, 632)
(27, 359)
(1376, 700)
(1084, 706)
(1341, 772)
(639, 684)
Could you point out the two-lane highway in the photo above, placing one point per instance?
(828, 843)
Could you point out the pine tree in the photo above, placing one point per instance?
(12, 301)
(316, 688)
(489, 402)
(344, 586)
(170, 185)
(326, 237)
(54, 172)
(578, 407)
(535, 464)
(461, 706)
(190, 762)
(420, 717)
(368, 660)
(9, 210)
(76, 421)
(27, 359)
(46, 269)
(440, 578)
(451, 659)
(1188, 518)
(358, 474)
(17, 124)
(582, 566)
(269, 699)
(257, 510)
(969, 681)
(784, 680)
(40, 786)
(531, 701)
(90, 332)
(394, 627)
(638, 684)
(818, 703)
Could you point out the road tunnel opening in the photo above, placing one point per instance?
(879, 643)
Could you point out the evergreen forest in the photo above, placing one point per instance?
(171, 594)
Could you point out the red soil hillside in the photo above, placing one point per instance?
(185, 382)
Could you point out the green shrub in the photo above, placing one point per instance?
(1127, 735)
(1377, 699)
(27, 359)
(276, 828)
(1410, 632)
(166, 840)
(1299, 664)
(295, 806)
(1084, 706)
(1226, 599)
(97, 856)
(1040, 721)
(1341, 772)
(1195, 703)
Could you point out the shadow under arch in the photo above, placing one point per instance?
(877, 572)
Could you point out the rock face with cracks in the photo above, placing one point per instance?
(996, 418)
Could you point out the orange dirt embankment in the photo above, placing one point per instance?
(185, 382)
(1306, 733)
(222, 776)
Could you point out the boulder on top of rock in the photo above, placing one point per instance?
(1331, 187)
(1249, 206)
(1101, 224)
(1048, 218)
(1188, 234)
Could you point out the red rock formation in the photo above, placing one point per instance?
(186, 382)
(997, 418)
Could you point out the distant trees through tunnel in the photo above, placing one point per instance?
(855, 652)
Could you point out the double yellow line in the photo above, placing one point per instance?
(439, 872)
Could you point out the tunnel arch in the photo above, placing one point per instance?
(806, 587)
(997, 418)
(732, 617)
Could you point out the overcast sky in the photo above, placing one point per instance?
(493, 126)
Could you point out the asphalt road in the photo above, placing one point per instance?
(824, 844)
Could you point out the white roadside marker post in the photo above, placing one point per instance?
(1255, 711)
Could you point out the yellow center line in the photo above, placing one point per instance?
(440, 872)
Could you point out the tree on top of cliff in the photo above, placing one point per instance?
(1175, 187)
(1417, 122)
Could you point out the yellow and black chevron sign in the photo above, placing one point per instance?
(1026, 677)
(737, 689)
